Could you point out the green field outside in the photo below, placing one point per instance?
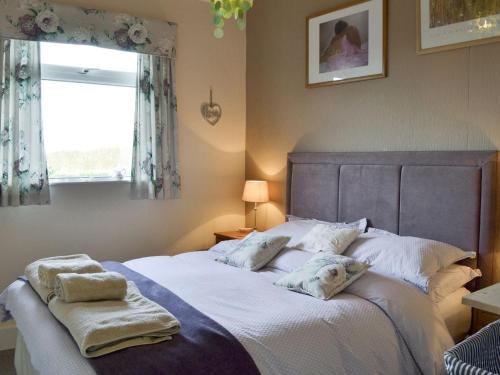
(98, 163)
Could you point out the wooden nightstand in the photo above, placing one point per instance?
(225, 236)
(486, 306)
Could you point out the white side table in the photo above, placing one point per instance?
(487, 301)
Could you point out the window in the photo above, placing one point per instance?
(88, 107)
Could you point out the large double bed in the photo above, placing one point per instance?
(378, 325)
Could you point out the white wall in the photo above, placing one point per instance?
(99, 219)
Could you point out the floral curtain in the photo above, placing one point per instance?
(44, 21)
(155, 173)
(23, 165)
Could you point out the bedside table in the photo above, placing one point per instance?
(486, 306)
(225, 236)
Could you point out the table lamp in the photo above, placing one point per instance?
(255, 192)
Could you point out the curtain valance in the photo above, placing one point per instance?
(43, 21)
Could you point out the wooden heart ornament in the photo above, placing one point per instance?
(212, 112)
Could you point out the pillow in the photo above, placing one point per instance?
(324, 237)
(323, 276)
(289, 260)
(381, 232)
(298, 228)
(293, 229)
(359, 224)
(449, 280)
(254, 251)
(224, 247)
(411, 259)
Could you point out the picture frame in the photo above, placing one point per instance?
(347, 43)
(444, 28)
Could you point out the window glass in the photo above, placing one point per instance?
(88, 127)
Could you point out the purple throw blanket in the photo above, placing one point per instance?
(202, 346)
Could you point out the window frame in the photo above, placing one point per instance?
(91, 76)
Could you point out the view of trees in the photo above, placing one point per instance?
(92, 163)
(446, 12)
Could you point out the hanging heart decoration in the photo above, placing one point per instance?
(211, 112)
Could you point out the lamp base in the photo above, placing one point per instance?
(246, 230)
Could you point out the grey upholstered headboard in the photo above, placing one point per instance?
(445, 196)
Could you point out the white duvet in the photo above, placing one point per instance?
(379, 326)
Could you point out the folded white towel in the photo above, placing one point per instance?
(31, 272)
(100, 328)
(47, 271)
(74, 287)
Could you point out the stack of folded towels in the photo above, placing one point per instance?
(102, 311)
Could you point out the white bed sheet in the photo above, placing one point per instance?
(284, 332)
(456, 315)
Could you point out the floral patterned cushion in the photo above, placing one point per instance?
(324, 237)
(255, 251)
(324, 275)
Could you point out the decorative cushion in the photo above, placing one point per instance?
(412, 259)
(325, 237)
(324, 275)
(449, 280)
(255, 251)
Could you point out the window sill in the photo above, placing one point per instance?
(89, 180)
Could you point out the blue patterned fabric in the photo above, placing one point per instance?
(477, 355)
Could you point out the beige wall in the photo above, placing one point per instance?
(443, 101)
(99, 218)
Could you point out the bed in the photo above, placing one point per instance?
(378, 325)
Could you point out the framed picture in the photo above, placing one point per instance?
(449, 24)
(347, 43)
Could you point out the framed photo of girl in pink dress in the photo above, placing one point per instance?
(347, 43)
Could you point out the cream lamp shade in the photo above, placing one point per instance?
(256, 192)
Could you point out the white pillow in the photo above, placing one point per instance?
(289, 260)
(358, 224)
(449, 280)
(298, 228)
(411, 259)
(225, 247)
(293, 229)
(381, 232)
(254, 251)
(325, 237)
(323, 276)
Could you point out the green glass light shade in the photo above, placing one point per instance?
(227, 9)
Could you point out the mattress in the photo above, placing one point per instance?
(457, 316)
(379, 326)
